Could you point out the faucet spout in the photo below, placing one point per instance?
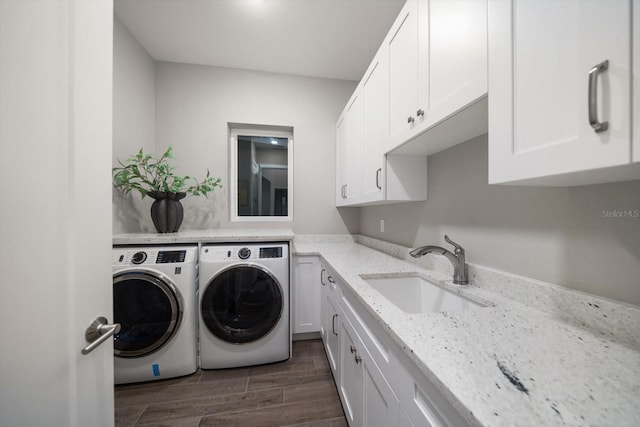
(457, 258)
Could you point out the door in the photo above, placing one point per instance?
(544, 56)
(355, 128)
(341, 161)
(332, 326)
(351, 374)
(402, 46)
(307, 294)
(242, 303)
(149, 310)
(453, 55)
(375, 98)
(55, 220)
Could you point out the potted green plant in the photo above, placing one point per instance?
(155, 178)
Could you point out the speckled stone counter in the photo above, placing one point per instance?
(541, 355)
(205, 236)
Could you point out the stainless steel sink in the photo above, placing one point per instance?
(415, 294)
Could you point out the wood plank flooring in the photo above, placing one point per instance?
(299, 392)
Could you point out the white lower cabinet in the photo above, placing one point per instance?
(306, 294)
(377, 382)
(330, 321)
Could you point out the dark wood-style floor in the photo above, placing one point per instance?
(298, 392)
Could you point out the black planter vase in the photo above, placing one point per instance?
(175, 213)
(166, 211)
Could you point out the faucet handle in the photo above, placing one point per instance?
(459, 249)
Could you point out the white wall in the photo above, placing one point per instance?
(194, 105)
(557, 235)
(133, 120)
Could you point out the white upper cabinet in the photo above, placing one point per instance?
(349, 134)
(437, 68)
(375, 99)
(560, 81)
(402, 46)
(453, 41)
(428, 77)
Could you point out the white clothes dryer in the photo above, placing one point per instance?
(155, 302)
(244, 304)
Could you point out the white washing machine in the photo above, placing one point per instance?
(155, 302)
(244, 304)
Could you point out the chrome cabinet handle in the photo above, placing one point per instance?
(420, 112)
(330, 279)
(410, 119)
(333, 324)
(358, 359)
(593, 97)
(98, 332)
(322, 277)
(378, 172)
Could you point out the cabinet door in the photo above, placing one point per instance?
(453, 56)
(541, 53)
(402, 47)
(306, 291)
(355, 127)
(381, 406)
(351, 375)
(341, 161)
(375, 99)
(332, 325)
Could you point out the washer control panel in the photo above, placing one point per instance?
(145, 256)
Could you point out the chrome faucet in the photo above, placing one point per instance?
(456, 258)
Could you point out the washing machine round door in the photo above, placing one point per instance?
(242, 303)
(148, 308)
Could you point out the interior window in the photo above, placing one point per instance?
(262, 173)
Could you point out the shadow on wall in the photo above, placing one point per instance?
(351, 219)
(131, 214)
(201, 213)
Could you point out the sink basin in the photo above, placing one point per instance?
(414, 294)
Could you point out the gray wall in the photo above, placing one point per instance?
(194, 105)
(558, 235)
(133, 120)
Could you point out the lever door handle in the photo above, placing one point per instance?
(98, 332)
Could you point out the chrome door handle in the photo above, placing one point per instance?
(333, 324)
(378, 172)
(593, 97)
(420, 112)
(322, 277)
(98, 332)
(410, 119)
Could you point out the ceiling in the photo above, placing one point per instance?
(320, 38)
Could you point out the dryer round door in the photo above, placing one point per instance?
(149, 309)
(242, 303)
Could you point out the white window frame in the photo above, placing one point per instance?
(256, 130)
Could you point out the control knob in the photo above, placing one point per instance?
(244, 253)
(139, 257)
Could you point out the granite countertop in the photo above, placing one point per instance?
(206, 236)
(518, 362)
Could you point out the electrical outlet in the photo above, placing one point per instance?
(382, 225)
